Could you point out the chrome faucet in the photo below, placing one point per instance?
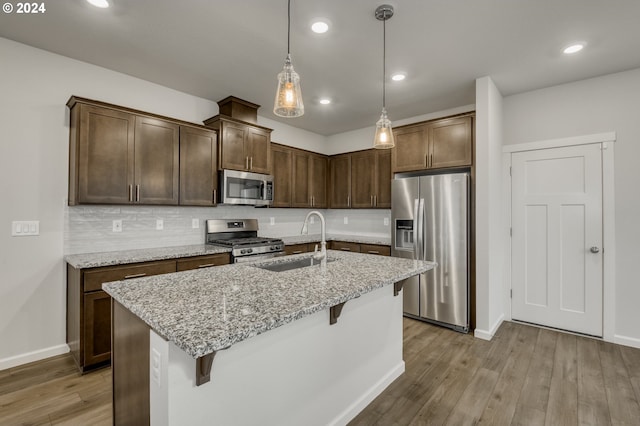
(322, 256)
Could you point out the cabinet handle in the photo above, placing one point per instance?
(373, 252)
(137, 193)
(246, 163)
(128, 277)
(372, 201)
(296, 252)
(345, 249)
(214, 196)
(206, 265)
(131, 193)
(431, 160)
(348, 200)
(375, 201)
(250, 163)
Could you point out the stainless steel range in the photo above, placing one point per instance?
(241, 235)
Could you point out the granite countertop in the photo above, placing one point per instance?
(210, 309)
(123, 257)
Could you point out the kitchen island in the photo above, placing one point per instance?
(239, 344)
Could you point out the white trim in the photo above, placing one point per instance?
(556, 143)
(626, 341)
(488, 335)
(608, 220)
(361, 403)
(506, 209)
(28, 357)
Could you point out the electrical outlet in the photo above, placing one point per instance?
(312, 220)
(195, 223)
(272, 220)
(386, 221)
(156, 364)
(117, 225)
(159, 224)
(346, 220)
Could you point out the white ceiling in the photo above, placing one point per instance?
(217, 48)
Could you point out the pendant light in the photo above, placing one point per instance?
(288, 102)
(384, 133)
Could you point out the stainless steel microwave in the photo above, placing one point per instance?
(246, 188)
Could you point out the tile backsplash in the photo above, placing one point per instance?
(89, 229)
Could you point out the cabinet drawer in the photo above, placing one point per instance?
(94, 278)
(375, 249)
(203, 261)
(296, 248)
(345, 246)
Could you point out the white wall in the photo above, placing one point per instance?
(34, 87)
(489, 222)
(598, 105)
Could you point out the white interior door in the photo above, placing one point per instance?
(557, 238)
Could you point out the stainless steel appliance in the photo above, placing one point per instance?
(241, 235)
(430, 221)
(247, 188)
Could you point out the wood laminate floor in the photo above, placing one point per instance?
(524, 376)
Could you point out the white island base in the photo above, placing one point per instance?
(307, 372)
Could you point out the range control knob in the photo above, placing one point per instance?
(249, 250)
(243, 251)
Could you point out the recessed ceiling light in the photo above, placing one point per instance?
(99, 3)
(325, 101)
(574, 48)
(320, 26)
(399, 76)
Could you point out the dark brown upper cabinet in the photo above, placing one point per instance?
(243, 144)
(198, 167)
(118, 155)
(431, 145)
(371, 179)
(300, 177)
(340, 178)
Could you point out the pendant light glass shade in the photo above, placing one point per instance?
(384, 133)
(288, 102)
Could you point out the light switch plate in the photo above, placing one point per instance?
(159, 224)
(272, 220)
(25, 228)
(312, 220)
(346, 220)
(195, 223)
(117, 225)
(386, 221)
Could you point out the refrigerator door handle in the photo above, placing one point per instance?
(416, 230)
(421, 221)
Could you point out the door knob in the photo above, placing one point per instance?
(594, 249)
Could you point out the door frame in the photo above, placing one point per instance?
(607, 142)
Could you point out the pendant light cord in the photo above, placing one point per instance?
(288, 27)
(384, 56)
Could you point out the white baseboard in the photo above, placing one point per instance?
(361, 403)
(28, 357)
(626, 341)
(488, 334)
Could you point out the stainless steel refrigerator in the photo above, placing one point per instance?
(430, 221)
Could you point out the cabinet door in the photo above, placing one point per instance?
(281, 161)
(105, 160)
(318, 181)
(300, 196)
(258, 149)
(199, 262)
(340, 181)
(383, 180)
(363, 175)
(232, 151)
(411, 150)
(451, 143)
(198, 167)
(296, 248)
(157, 155)
(375, 249)
(97, 328)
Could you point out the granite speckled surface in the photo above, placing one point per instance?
(110, 258)
(315, 238)
(206, 310)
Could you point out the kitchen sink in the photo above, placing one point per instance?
(292, 264)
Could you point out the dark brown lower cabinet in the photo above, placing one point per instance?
(89, 307)
(361, 248)
(297, 248)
